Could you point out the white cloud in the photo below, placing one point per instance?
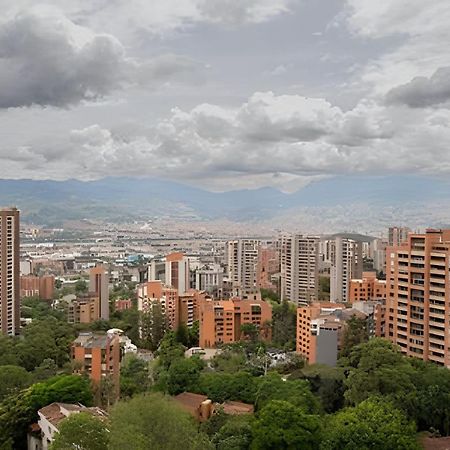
(277, 140)
(127, 19)
(416, 35)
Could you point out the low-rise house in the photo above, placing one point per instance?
(42, 433)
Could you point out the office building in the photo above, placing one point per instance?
(367, 288)
(221, 321)
(241, 259)
(299, 268)
(99, 287)
(418, 296)
(346, 264)
(9, 271)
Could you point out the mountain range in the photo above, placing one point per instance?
(117, 199)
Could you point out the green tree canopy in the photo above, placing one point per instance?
(235, 434)
(298, 393)
(154, 422)
(12, 380)
(284, 320)
(81, 431)
(183, 375)
(281, 425)
(355, 333)
(134, 376)
(221, 386)
(378, 368)
(153, 326)
(373, 424)
(18, 411)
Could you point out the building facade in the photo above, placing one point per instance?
(177, 272)
(397, 236)
(268, 268)
(167, 296)
(209, 278)
(346, 264)
(9, 271)
(98, 355)
(84, 309)
(33, 286)
(99, 286)
(241, 259)
(299, 268)
(367, 288)
(417, 307)
(317, 332)
(221, 321)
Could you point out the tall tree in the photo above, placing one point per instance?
(12, 380)
(355, 333)
(281, 425)
(373, 424)
(284, 320)
(153, 326)
(154, 421)
(81, 431)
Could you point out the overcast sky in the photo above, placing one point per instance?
(224, 94)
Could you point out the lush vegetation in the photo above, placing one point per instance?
(375, 398)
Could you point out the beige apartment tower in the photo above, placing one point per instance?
(346, 264)
(241, 259)
(299, 256)
(418, 296)
(9, 271)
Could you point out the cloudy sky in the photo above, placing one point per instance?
(224, 94)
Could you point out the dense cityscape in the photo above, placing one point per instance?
(293, 341)
(224, 225)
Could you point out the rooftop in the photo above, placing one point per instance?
(55, 412)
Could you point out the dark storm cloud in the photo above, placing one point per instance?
(422, 92)
(50, 61)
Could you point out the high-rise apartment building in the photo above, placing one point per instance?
(177, 272)
(418, 296)
(241, 259)
(268, 268)
(299, 257)
(9, 271)
(397, 235)
(346, 263)
(221, 321)
(99, 286)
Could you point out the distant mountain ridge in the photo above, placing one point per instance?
(46, 201)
